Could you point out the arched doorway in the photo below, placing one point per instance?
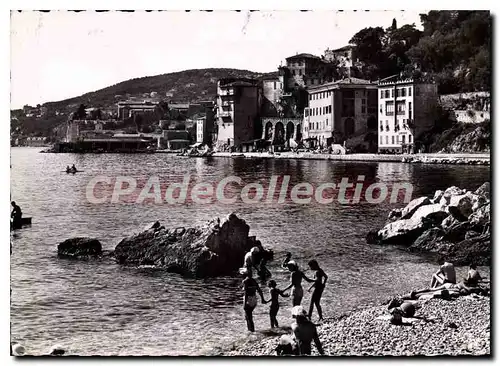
(290, 129)
(298, 135)
(279, 134)
(268, 135)
(349, 127)
(371, 123)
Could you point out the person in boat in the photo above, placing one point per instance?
(296, 283)
(305, 332)
(274, 300)
(16, 215)
(68, 169)
(73, 169)
(250, 288)
(320, 279)
(445, 274)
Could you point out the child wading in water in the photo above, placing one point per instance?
(275, 305)
(319, 286)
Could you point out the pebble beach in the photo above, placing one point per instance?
(440, 327)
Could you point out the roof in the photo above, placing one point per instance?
(238, 83)
(345, 48)
(343, 82)
(302, 55)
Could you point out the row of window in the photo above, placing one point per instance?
(400, 106)
(400, 92)
(295, 73)
(317, 125)
(403, 124)
(321, 95)
(395, 140)
(316, 111)
(280, 85)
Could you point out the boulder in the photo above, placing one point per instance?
(453, 191)
(152, 226)
(372, 237)
(456, 232)
(448, 222)
(400, 232)
(484, 191)
(437, 196)
(462, 203)
(81, 247)
(217, 248)
(434, 214)
(481, 216)
(428, 240)
(413, 206)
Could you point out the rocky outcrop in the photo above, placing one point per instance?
(457, 227)
(217, 248)
(79, 248)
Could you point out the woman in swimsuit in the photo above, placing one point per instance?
(251, 288)
(296, 283)
(319, 286)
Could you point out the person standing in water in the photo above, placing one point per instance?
(250, 288)
(274, 300)
(296, 283)
(320, 279)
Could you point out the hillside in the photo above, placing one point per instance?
(188, 86)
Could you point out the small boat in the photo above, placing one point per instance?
(25, 221)
(72, 171)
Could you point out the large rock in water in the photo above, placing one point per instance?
(413, 206)
(82, 247)
(205, 251)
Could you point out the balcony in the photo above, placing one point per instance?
(389, 113)
(226, 93)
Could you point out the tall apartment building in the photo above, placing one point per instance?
(238, 104)
(406, 109)
(339, 110)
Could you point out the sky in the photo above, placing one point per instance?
(60, 54)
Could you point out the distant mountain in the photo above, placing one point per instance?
(187, 86)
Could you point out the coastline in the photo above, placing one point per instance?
(440, 327)
(436, 158)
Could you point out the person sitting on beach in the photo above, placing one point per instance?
(473, 277)
(296, 283)
(445, 274)
(16, 215)
(251, 288)
(320, 279)
(305, 332)
(274, 300)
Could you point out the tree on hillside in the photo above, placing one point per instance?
(368, 46)
(80, 113)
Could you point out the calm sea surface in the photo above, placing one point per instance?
(101, 308)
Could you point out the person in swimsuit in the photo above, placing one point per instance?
(296, 283)
(249, 262)
(305, 332)
(251, 288)
(274, 300)
(320, 279)
(287, 259)
(473, 277)
(445, 274)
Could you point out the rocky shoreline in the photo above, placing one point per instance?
(454, 224)
(440, 327)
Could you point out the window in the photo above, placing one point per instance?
(317, 111)
(403, 92)
(387, 93)
(275, 85)
(409, 110)
(381, 142)
(381, 94)
(401, 107)
(389, 108)
(409, 91)
(403, 139)
(327, 121)
(317, 125)
(387, 140)
(409, 139)
(310, 96)
(392, 93)
(393, 140)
